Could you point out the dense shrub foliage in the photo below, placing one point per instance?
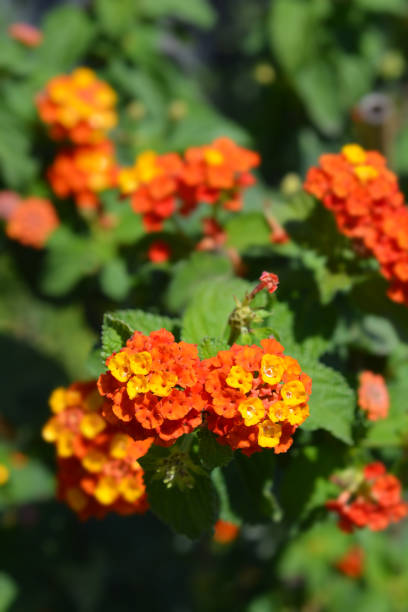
(218, 364)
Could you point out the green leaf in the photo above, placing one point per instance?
(119, 326)
(332, 402)
(31, 482)
(188, 274)
(209, 347)
(115, 333)
(291, 24)
(399, 7)
(197, 12)
(212, 453)
(190, 510)
(208, 311)
(226, 512)
(247, 230)
(70, 258)
(8, 591)
(115, 280)
(67, 34)
(115, 17)
(317, 85)
(250, 487)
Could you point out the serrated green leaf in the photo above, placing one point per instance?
(209, 347)
(118, 327)
(212, 453)
(248, 229)
(115, 333)
(208, 311)
(332, 402)
(192, 511)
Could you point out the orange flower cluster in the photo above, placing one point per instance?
(258, 397)
(372, 500)
(352, 563)
(78, 107)
(98, 471)
(373, 396)
(26, 34)
(83, 172)
(153, 388)
(369, 208)
(152, 183)
(215, 173)
(31, 221)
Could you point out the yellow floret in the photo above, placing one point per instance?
(94, 461)
(57, 401)
(162, 384)
(4, 474)
(366, 173)
(140, 363)
(119, 446)
(272, 368)
(238, 378)
(65, 444)
(137, 384)
(354, 153)
(269, 434)
(119, 366)
(213, 157)
(278, 412)
(252, 411)
(294, 393)
(130, 489)
(106, 491)
(91, 425)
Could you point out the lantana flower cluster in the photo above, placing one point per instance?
(373, 395)
(154, 386)
(369, 208)
(250, 397)
(83, 172)
(370, 498)
(78, 107)
(258, 397)
(98, 469)
(161, 184)
(30, 221)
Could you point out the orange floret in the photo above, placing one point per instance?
(373, 396)
(32, 222)
(225, 532)
(159, 251)
(154, 388)
(98, 466)
(78, 107)
(83, 172)
(352, 563)
(258, 397)
(369, 208)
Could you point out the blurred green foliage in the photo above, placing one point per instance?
(281, 76)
